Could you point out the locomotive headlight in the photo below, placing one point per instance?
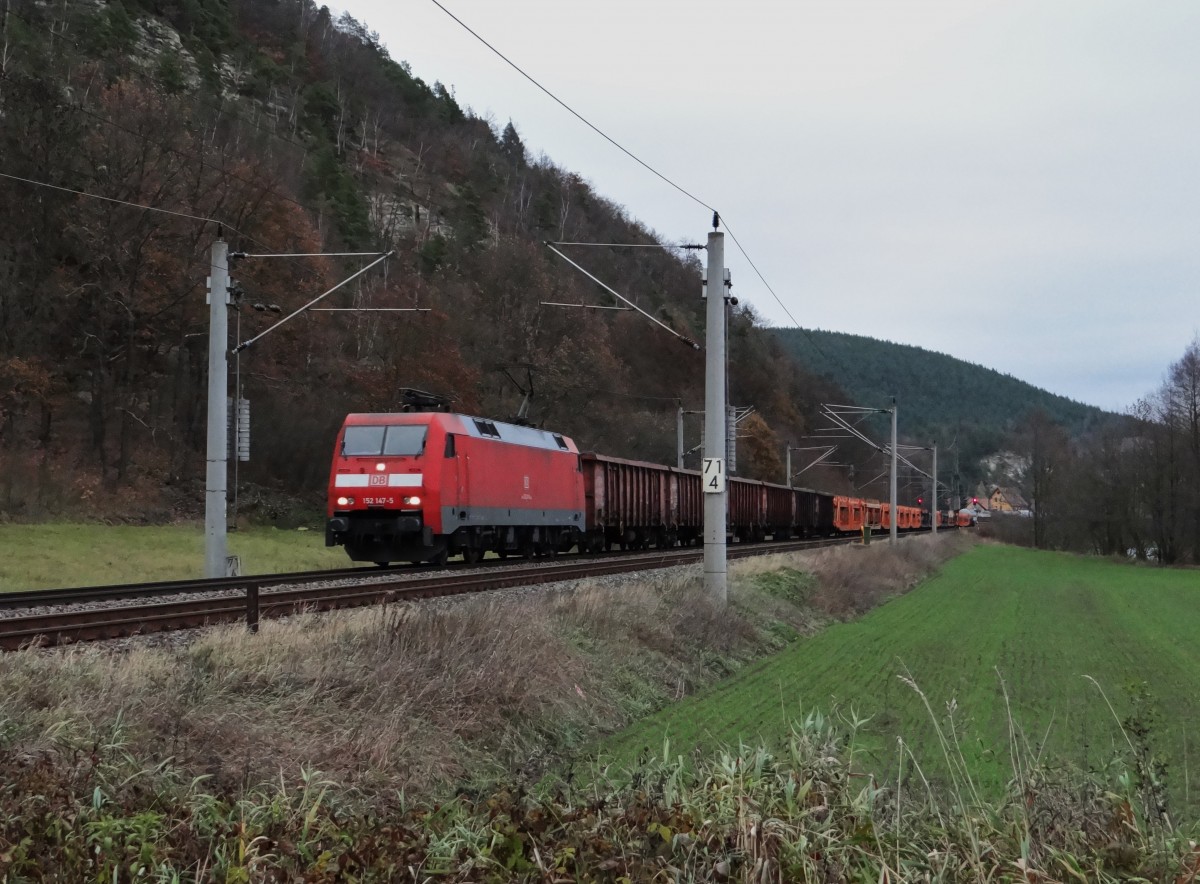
(414, 500)
(381, 467)
(345, 501)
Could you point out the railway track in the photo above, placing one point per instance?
(210, 602)
(41, 597)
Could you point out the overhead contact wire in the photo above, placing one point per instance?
(572, 111)
(641, 163)
(110, 199)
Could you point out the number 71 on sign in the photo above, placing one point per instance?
(714, 475)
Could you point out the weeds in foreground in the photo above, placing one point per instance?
(92, 812)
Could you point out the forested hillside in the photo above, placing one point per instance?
(941, 398)
(299, 133)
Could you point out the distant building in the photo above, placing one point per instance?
(1006, 500)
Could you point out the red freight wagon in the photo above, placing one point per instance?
(907, 517)
(874, 513)
(781, 511)
(885, 516)
(636, 504)
(848, 514)
(422, 486)
(747, 509)
(691, 506)
(814, 513)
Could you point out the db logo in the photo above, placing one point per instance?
(377, 480)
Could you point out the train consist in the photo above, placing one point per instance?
(423, 486)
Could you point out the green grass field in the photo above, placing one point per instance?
(53, 555)
(1042, 621)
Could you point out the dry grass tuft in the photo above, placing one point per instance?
(424, 696)
(852, 580)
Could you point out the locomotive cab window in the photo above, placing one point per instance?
(561, 442)
(449, 445)
(395, 441)
(405, 440)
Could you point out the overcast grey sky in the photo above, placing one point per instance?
(1013, 183)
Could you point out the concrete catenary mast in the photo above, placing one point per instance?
(715, 497)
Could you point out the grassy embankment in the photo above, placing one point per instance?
(58, 554)
(1001, 636)
(201, 762)
(441, 694)
(413, 700)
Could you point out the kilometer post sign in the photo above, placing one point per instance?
(714, 475)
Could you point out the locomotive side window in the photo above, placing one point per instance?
(487, 428)
(449, 445)
(561, 442)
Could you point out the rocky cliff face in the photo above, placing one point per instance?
(168, 124)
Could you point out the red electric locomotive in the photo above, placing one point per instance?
(422, 486)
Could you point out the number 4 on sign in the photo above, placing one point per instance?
(714, 475)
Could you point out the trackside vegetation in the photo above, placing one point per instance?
(94, 812)
(456, 742)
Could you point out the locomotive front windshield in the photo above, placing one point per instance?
(394, 441)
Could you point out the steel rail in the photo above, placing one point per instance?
(113, 591)
(77, 595)
(46, 629)
(32, 598)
